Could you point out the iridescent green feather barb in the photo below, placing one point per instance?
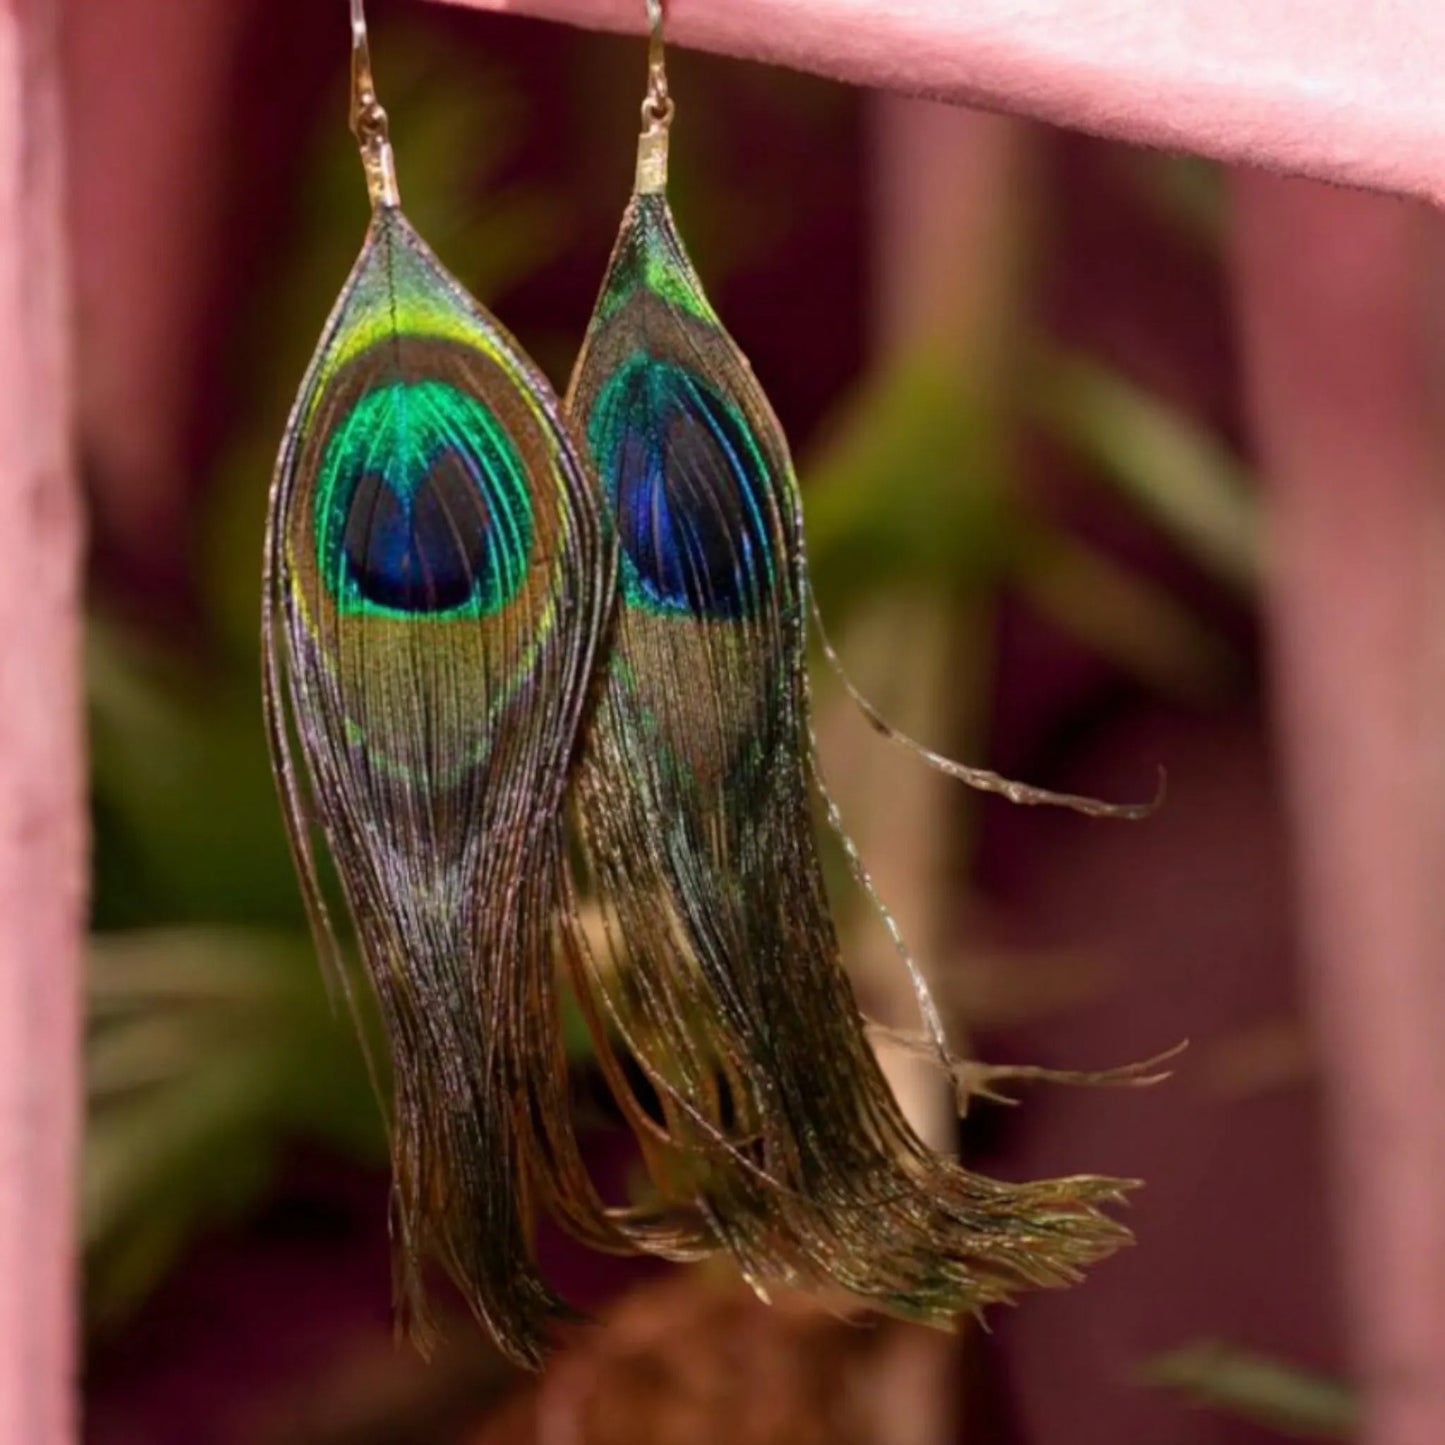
(725, 982)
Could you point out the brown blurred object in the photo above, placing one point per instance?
(377, 1394)
(697, 1360)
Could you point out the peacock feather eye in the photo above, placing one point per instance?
(688, 490)
(694, 798)
(423, 507)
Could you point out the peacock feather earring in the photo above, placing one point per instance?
(764, 1113)
(436, 579)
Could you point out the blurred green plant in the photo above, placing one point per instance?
(1182, 476)
(917, 491)
(1251, 1387)
(210, 1047)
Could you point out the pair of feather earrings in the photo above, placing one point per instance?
(487, 614)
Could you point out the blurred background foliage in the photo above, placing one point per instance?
(215, 1053)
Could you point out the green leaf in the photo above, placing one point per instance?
(1294, 1401)
(207, 1049)
(1179, 473)
(909, 491)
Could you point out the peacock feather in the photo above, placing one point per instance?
(437, 577)
(766, 1114)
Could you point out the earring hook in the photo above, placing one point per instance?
(368, 118)
(657, 107)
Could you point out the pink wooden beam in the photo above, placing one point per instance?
(42, 795)
(1335, 89)
(1334, 291)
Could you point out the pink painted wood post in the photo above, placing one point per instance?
(42, 800)
(1334, 290)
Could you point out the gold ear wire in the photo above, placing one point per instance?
(368, 118)
(657, 107)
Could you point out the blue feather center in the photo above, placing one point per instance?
(689, 489)
(422, 507)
